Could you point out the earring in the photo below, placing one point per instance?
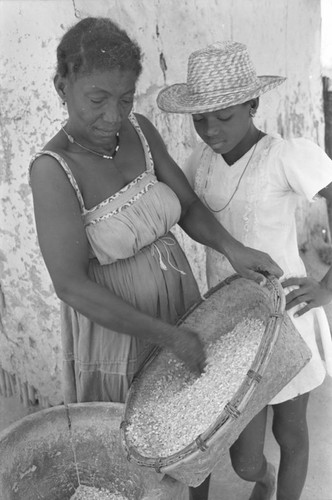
(252, 112)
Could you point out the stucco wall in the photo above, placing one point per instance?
(326, 50)
(283, 38)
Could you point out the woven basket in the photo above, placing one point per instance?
(282, 353)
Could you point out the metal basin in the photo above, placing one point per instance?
(44, 456)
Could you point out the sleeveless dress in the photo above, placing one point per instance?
(133, 254)
(262, 215)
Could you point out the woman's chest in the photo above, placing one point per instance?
(100, 178)
(100, 181)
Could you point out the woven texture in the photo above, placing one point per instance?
(281, 355)
(218, 76)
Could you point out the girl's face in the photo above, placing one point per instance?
(98, 103)
(223, 130)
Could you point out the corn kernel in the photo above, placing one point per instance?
(92, 493)
(180, 406)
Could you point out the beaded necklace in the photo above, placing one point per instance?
(106, 157)
(238, 182)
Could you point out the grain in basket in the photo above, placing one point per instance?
(90, 493)
(181, 406)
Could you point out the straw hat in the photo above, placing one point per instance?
(218, 76)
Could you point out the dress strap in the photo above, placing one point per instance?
(67, 170)
(145, 144)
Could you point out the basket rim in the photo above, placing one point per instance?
(236, 404)
(227, 281)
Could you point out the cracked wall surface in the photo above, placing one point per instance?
(283, 38)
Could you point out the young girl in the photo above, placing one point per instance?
(251, 181)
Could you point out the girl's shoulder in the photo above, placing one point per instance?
(300, 165)
(295, 148)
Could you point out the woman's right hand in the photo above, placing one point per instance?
(188, 347)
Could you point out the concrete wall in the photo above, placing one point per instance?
(326, 46)
(283, 38)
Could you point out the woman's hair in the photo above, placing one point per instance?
(97, 43)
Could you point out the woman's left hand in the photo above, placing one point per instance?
(309, 292)
(248, 262)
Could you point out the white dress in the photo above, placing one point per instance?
(262, 215)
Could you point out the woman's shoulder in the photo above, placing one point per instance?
(47, 162)
(51, 152)
(145, 127)
(50, 163)
(142, 121)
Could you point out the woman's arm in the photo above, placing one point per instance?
(309, 291)
(197, 221)
(64, 247)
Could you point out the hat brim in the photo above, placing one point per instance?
(177, 99)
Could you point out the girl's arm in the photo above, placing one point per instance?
(309, 291)
(64, 247)
(197, 221)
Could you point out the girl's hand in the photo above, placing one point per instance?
(188, 347)
(309, 292)
(248, 262)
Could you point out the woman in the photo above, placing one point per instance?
(251, 181)
(106, 194)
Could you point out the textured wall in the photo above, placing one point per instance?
(283, 38)
(326, 55)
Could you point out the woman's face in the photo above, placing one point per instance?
(98, 103)
(224, 129)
